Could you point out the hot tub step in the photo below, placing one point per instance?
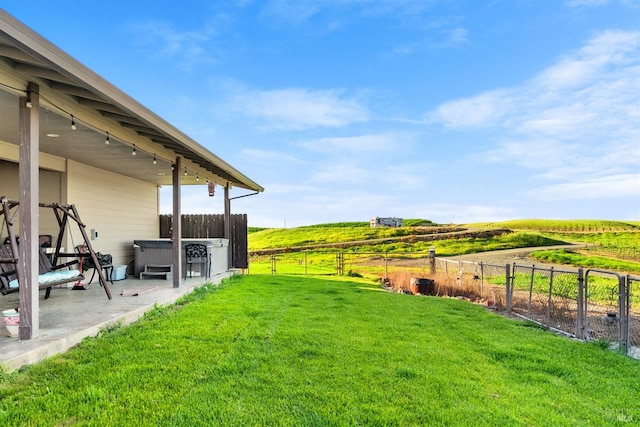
(154, 271)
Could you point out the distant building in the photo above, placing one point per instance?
(386, 222)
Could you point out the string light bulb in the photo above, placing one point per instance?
(28, 103)
(73, 123)
(133, 152)
(107, 141)
(155, 161)
(197, 177)
(185, 171)
(173, 167)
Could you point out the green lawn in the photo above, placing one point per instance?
(277, 350)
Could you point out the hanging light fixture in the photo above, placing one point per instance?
(133, 152)
(73, 123)
(155, 161)
(107, 141)
(185, 171)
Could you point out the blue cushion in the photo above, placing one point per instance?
(55, 276)
(50, 277)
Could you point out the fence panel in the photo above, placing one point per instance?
(195, 226)
(294, 263)
(547, 296)
(603, 311)
(492, 279)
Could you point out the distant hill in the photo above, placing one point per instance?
(563, 226)
(341, 232)
(265, 238)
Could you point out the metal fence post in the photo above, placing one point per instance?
(628, 309)
(273, 263)
(509, 287)
(580, 315)
(481, 279)
(339, 263)
(432, 259)
(623, 299)
(386, 265)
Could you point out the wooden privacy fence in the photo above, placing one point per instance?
(203, 226)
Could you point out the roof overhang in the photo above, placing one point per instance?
(70, 91)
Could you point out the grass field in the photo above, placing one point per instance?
(563, 256)
(264, 350)
(564, 226)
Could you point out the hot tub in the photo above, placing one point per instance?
(160, 252)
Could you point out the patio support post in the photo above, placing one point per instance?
(177, 226)
(28, 170)
(227, 225)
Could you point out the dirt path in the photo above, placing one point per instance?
(519, 256)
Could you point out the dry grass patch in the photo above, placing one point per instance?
(446, 285)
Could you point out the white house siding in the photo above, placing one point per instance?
(50, 192)
(119, 208)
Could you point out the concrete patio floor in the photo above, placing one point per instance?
(69, 316)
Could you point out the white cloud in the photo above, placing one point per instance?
(576, 123)
(270, 156)
(363, 145)
(588, 3)
(344, 174)
(381, 176)
(288, 189)
(458, 36)
(458, 213)
(189, 47)
(625, 185)
(480, 110)
(602, 54)
(534, 154)
(298, 12)
(602, 76)
(299, 109)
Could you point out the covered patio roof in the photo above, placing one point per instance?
(70, 93)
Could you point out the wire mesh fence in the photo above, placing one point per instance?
(296, 263)
(605, 310)
(547, 296)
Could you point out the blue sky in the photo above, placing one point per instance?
(452, 110)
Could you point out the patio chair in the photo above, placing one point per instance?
(44, 240)
(105, 260)
(196, 253)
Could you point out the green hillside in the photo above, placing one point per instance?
(332, 233)
(607, 244)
